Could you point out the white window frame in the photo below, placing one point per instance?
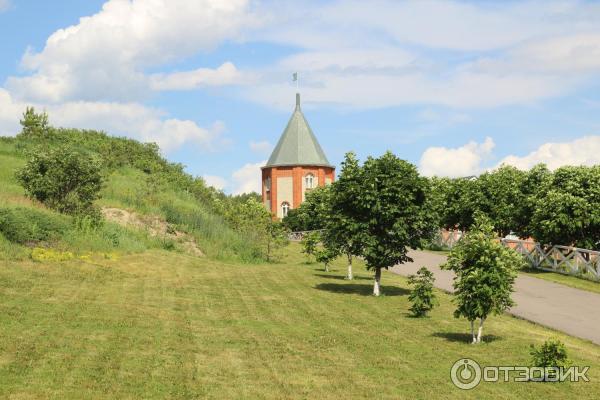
(309, 181)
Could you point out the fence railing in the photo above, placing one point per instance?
(562, 259)
(297, 236)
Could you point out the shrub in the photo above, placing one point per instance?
(309, 245)
(422, 297)
(551, 354)
(27, 225)
(64, 179)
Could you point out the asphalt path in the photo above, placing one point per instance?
(570, 310)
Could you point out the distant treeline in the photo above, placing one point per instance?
(552, 207)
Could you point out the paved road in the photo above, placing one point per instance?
(566, 309)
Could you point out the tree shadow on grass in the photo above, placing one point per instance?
(342, 277)
(464, 337)
(363, 290)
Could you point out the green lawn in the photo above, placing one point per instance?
(165, 325)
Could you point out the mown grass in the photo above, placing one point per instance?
(165, 325)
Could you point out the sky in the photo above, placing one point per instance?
(455, 87)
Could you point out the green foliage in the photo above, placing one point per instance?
(325, 255)
(501, 196)
(258, 226)
(389, 211)
(27, 225)
(62, 178)
(552, 353)
(461, 201)
(309, 243)
(422, 297)
(312, 213)
(34, 125)
(342, 229)
(567, 208)
(485, 272)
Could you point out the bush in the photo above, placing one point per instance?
(309, 244)
(64, 179)
(551, 354)
(422, 297)
(27, 225)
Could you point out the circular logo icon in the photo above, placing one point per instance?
(465, 374)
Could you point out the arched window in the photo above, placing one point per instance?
(309, 181)
(285, 207)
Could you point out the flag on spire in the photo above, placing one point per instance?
(295, 77)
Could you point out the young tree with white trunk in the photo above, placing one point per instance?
(485, 273)
(341, 228)
(390, 213)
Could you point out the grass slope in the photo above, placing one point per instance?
(165, 325)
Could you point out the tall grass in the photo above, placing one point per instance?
(132, 189)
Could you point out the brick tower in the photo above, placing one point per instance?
(297, 165)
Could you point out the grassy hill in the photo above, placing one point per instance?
(137, 179)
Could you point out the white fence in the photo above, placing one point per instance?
(562, 259)
(297, 236)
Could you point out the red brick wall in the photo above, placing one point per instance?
(297, 174)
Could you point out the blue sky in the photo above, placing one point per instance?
(454, 87)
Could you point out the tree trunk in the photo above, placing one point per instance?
(376, 286)
(481, 321)
(473, 331)
(326, 267)
(350, 276)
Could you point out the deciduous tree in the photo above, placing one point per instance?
(391, 214)
(485, 272)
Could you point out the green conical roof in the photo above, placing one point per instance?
(298, 144)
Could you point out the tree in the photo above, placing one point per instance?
(390, 215)
(422, 297)
(63, 178)
(501, 197)
(34, 125)
(312, 213)
(326, 255)
(341, 227)
(258, 226)
(485, 272)
(534, 186)
(567, 208)
(463, 199)
(309, 243)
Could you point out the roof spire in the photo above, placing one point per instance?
(297, 101)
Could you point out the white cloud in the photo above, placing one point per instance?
(127, 119)
(263, 147)
(455, 162)
(104, 56)
(226, 74)
(581, 151)
(248, 178)
(215, 181)
(390, 53)
(4, 5)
